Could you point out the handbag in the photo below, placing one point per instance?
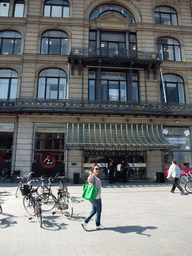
(90, 191)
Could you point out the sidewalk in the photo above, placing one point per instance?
(141, 219)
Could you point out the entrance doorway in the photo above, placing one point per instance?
(134, 162)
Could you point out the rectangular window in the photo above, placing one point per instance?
(179, 136)
(41, 88)
(4, 9)
(19, 10)
(52, 88)
(13, 90)
(4, 87)
(7, 47)
(56, 11)
(44, 46)
(66, 12)
(47, 11)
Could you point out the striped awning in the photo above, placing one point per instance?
(115, 136)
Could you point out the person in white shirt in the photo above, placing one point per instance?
(175, 173)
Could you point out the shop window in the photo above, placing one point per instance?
(8, 84)
(56, 8)
(111, 8)
(10, 42)
(169, 49)
(172, 89)
(6, 145)
(54, 42)
(165, 16)
(4, 8)
(48, 149)
(18, 10)
(114, 86)
(179, 136)
(52, 84)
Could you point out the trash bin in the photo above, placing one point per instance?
(160, 177)
(76, 178)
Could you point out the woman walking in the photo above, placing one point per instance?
(96, 205)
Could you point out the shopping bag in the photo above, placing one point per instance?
(89, 192)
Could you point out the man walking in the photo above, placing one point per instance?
(175, 173)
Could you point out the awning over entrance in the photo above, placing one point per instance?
(115, 136)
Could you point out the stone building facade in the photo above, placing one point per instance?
(82, 82)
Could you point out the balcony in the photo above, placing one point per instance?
(117, 58)
(30, 106)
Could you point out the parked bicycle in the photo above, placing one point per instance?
(31, 202)
(61, 202)
(186, 181)
(23, 180)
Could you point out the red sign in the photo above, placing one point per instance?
(48, 160)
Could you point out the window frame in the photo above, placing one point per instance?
(162, 46)
(49, 38)
(97, 88)
(46, 84)
(65, 5)
(177, 84)
(8, 11)
(21, 2)
(10, 83)
(11, 38)
(168, 12)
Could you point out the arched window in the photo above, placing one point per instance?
(4, 8)
(8, 84)
(165, 16)
(54, 42)
(109, 8)
(52, 84)
(10, 42)
(56, 8)
(172, 89)
(19, 6)
(169, 49)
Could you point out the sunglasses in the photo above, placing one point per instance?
(97, 168)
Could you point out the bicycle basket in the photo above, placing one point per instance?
(25, 189)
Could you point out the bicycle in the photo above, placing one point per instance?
(188, 182)
(1, 210)
(42, 189)
(62, 201)
(23, 180)
(31, 203)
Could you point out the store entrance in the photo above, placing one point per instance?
(127, 165)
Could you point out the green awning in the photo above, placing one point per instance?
(115, 136)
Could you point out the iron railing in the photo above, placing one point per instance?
(104, 52)
(33, 105)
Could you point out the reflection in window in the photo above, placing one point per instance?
(56, 8)
(10, 42)
(172, 89)
(54, 42)
(52, 84)
(114, 87)
(8, 84)
(109, 8)
(4, 8)
(169, 49)
(166, 16)
(19, 6)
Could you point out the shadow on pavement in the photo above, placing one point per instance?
(7, 221)
(50, 223)
(132, 229)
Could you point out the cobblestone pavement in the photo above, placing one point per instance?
(141, 219)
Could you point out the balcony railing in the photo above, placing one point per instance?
(33, 105)
(113, 53)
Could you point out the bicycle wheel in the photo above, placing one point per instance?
(47, 202)
(42, 190)
(65, 206)
(1, 210)
(188, 186)
(28, 204)
(38, 212)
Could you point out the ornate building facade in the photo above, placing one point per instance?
(82, 82)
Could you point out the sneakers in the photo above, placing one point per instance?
(100, 227)
(84, 225)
